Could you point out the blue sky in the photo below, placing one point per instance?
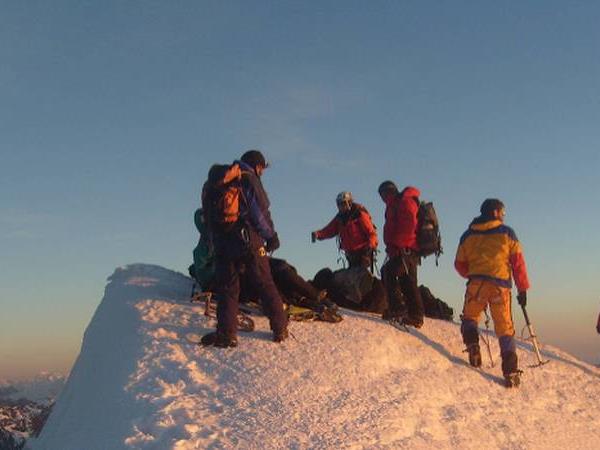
(112, 112)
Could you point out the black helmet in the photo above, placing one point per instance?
(254, 158)
(489, 205)
(387, 186)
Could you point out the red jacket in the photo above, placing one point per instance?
(400, 229)
(355, 229)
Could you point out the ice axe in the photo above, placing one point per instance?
(533, 338)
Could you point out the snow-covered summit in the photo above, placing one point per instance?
(138, 384)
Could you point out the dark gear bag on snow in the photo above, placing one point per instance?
(354, 283)
(354, 288)
(434, 307)
(221, 196)
(428, 231)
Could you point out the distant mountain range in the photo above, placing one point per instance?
(24, 407)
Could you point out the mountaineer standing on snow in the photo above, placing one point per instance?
(399, 274)
(488, 253)
(237, 210)
(353, 225)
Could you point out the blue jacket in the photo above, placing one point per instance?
(254, 207)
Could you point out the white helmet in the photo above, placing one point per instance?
(344, 197)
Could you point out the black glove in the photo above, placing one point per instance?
(272, 243)
(313, 237)
(522, 298)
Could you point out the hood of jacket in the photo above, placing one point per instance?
(484, 224)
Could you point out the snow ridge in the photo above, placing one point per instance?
(138, 384)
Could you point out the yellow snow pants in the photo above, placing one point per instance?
(481, 293)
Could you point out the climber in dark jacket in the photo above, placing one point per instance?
(243, 246)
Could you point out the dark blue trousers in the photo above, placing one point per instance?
(231, 263)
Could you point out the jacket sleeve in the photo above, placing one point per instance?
(369, 229)
(259, 219)
(519, 269)
(330, 230)
(461, 264)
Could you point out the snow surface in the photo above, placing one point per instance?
(138, 384)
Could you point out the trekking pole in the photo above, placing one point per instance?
(533, 338)
(485, 339)
(373, 266)
(341, 258)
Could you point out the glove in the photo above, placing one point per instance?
(522, 298)
(313, 237)
(272, 243)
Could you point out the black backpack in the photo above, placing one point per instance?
(428, 231)
(435, 307)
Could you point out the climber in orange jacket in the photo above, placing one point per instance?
(357, 234)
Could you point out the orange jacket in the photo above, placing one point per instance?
(355, 229)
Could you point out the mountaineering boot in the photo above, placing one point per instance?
(510, 369)
(393, 314)
(281, 336)
(416, 322)
(513, 379)
(470, 335)
(474, 355)
(329, 315)
(217, 339)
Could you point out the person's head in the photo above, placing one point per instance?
(256, 160)
(492, 209)
(386, 189)
(344, 201)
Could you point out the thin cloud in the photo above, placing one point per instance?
(16, 225)
(277, 123)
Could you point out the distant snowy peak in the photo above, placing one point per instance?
(42, 388)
